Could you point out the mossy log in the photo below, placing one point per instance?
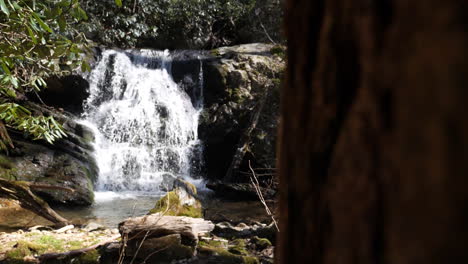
(21, 192)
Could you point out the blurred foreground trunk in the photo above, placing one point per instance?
(373, 150)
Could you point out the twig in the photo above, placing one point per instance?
(122, 249)
(264, 30)
(256, 185)
(38, 97)
(139, 247)
(134, 6)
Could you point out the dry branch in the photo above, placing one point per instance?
(21, 192)
(256, 185)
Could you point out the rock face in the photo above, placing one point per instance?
(68, 163)
(235, 81)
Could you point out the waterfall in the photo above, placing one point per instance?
(146, 124)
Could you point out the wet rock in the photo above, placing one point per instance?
(166, 248)
(227, 230)
(110, 253)
(90, 227)
(64, 172)
(239, 191)
(235, 80)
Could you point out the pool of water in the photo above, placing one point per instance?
(110, 208)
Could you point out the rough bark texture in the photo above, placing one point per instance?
(373, 147)
(157, 225)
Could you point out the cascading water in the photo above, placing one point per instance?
(146, 124)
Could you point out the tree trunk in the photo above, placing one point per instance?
(373, 147)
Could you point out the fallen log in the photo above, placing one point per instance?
(21, 192)
(157, 225)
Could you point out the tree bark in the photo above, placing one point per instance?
(373, 146)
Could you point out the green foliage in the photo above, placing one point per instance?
(36, 42)
(181, 23)
(37, 127)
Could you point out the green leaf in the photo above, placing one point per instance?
(5, 67)
(82, 13)
(31, 34)
(62, 23)
(42, 23)
(117, 2)
(4, 8)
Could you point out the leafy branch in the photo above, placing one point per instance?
(36, 42)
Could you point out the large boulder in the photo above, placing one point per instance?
(181, 201)
(236, 78)
(64, 172)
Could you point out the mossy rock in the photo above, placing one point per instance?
(238, 247)
(90, 257)
(6, 163)
(261, 243)
(178, 203)
(187, 186)
(159, 249)
(213, 243)
(223, 256)
(278, 50)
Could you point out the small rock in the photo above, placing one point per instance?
(64, 229)
(93, 227)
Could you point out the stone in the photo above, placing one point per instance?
(93, 226)
(239, 191)
(64, 172)
(166, 248)
(227, 230)
(181, 201)
(65, 229)
(235, 80)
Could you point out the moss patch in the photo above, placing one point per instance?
(90, 257)
(279, 51)
(238, 247)
(225, 256)
(261, 243)
(171, 204)
(6, 163)
(212, 243)
(215, 53)
(187, 185)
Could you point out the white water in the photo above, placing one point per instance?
(145, 124)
